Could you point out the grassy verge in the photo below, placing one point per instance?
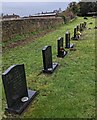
(70, 91)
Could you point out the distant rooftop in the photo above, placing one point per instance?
(42, 14)
(10, 16)
(45, 14)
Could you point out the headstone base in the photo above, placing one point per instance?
(51, 70)
(71, 46)
(62, 55)
(74, 38)
(20, 106)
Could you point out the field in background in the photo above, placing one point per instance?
(70, 91)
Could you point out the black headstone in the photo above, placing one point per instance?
(15, 86)
(48, 65)
(81, 27)
(77, 27)
(67, 40)
(75, 34)
(60, 48)
(75, 31)
(85, 23)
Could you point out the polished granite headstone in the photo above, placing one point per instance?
(81, 29)
(67, 40)
(78, 28)
(85, 23)
(60, 48)
(17, 95)
(48, 65)
(82, 26)
(75, 34)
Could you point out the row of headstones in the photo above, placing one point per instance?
(14, 78)
(49, 67)
(80, 28)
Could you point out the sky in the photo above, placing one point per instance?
(39, 0)
(31, 7)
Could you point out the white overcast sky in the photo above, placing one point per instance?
(8, 7)
(39, 0)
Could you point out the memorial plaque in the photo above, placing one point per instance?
(15, 86)
(48, 65)
(60, 49)
(67, 40)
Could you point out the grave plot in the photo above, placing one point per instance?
(17, 95)
(48, 65)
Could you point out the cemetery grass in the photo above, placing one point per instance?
(70, 91)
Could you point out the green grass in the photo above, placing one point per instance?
(70, 91)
